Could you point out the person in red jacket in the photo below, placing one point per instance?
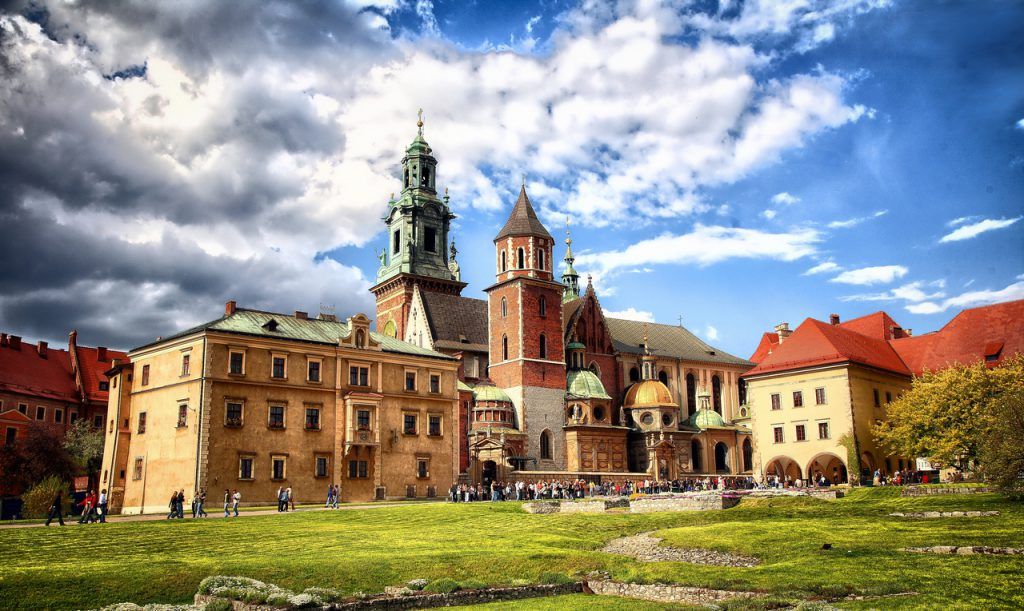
(88, 505)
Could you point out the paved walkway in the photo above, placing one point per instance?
(218, 514)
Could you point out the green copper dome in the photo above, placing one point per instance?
(575, 346)
(706, 418)
(585, 384)
(490, 393)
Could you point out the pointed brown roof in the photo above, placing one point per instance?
(523, 220)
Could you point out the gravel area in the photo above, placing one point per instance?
(646, 548)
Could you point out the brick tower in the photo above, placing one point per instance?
(417, 250)
(525, 327)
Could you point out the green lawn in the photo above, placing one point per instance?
(364, 550)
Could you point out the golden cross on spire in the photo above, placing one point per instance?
(419, 120)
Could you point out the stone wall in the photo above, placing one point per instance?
(702, 502)
(936, 490)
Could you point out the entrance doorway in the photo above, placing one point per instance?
(489, 472)
(721, 458)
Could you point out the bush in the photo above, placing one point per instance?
(442, 586)
(218, 604)
(473, 584)
(553, 578)
(37, 500)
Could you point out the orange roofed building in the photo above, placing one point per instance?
(816, 391)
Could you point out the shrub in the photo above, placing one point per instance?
(473, 584)
(417, 584)
(326, 595)
(444, 585)
(37, 500)
(553, 578)
(218, 604)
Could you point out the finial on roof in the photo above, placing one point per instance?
(524, 180)
(446, 195)
(647, 329)
(590, 280)
(419, 121)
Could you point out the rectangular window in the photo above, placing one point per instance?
(777, 431)
(357, 468)
(97, 421)
(359, 376)
(396, 241)
(434, 425)
(363, 419)
(245, 467)
(429, 239)
(142, 423)
(72, 417)
(410, 380)
(40, 412)
(801, 432)
(277, 467)
(776, 402)
(312, 419)
(435, 383)
(471, 364)
(23, 408)
(822, 430)
(888, 397)
(878, 402)
(819, 396)
(182, 415)
(278, 368)
(314, 371)
(422, 468)
(58, 415)
(12, 435)
(145, 375)
(321, 466)
(233, 414)
(236, 363)
(409, 424)
(798, 398)
(106, 385)
(137, 470)
(185, 360)
(276, 420)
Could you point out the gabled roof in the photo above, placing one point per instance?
(92, 370)
(456, 322)
(24, 372)
(818, 343)
(290, 327)
(769, 342)
(523, 220)
(878, 325)
(667, 340)
(995, 329)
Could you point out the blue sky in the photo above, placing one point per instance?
(737, 164)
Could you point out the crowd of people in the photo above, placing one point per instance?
(581, 488)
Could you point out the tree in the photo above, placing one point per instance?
(85, 445)
(34, 457)
(1002, 453)
(36, 502)
(955, 415)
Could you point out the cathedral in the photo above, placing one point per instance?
(549, 386)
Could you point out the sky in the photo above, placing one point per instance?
(727, 165)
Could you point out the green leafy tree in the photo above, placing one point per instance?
(85, 444)
(36, 456)
(954, 416)
(1002, 453)
(36, 502)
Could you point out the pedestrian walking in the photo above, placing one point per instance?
(181, 504)
(235, 499)
(202, 503)
(172, 505)
(55, 509)
(88, 505)
(101, 506)
(291, 499)
(227, 503)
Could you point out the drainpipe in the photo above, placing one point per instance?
(199, 418)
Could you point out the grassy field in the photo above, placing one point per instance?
(365, 550)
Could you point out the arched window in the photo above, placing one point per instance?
(543, 346)
(663, 377)
(542, 306)
(426, 177)
(691, 393)
(540, 259)
(695, 456)
(721, 458)
(716, 393)
(390, 329)
(741, 386)
(406, 177)
(504, 307)
(504, 347)
(545, 445)
(504, 265)
(520, 258)
(634, 375)
(748, 455)
(594, 368)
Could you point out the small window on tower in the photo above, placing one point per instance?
(426, 177)
(429, 239)
(520, 259)
(504, 265)
(540, 259)
(396, 241)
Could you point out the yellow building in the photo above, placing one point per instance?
(255, 401)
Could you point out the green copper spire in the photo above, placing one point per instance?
(570, 278)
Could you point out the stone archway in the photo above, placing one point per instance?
(867, 466)
(783, 467)
(829, 465)
(722, 458)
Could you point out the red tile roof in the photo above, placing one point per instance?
(967, 339)
(769, 342)
(92, 369)
(23, 371)
(878, 325)
(818, 343)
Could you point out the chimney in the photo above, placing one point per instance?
(42, 348)
(101, 353)
(782, 330)
(327, 317)
(115, 363)
(909, 332)
(3, 339)
(301, 315)
(230, 307)
(15, 342)
(72, 340)
(834, 319)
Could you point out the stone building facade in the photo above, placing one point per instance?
(255, 401)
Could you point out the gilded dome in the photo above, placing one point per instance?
(490, 393)
(585, 384)
(706, 418)
(648, 393)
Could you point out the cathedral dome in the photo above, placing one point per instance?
(706, 418)
(490, 393)
(584, 384)
(648, 393)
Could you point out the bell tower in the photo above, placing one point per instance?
(417, 249)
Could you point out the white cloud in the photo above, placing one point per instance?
(967, 232)
(706, 245)
(769, 214)
(784, 199)
(1020, 124)
(631, 314)
(912, 292)
(960, 220)
(823, 268)
(710, 333)
(880, 274)
(971, 299)
(856, 221)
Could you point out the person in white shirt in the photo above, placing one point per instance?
(101, 506)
